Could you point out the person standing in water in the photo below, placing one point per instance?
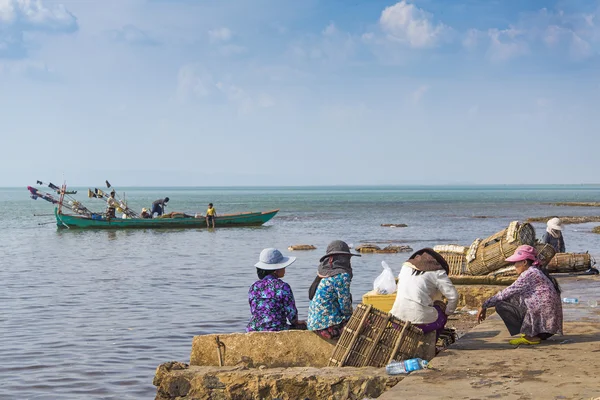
(211, 214)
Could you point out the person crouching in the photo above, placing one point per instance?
(422, 281)
(531, 306)
(271, 300)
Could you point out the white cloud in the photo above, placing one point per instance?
(419, 93)
(330, 29)
(20, 16)
(28, 15)
(331, 46)
(405, 23)
(132, 35)
(472, 39)
(505, 44)
(220, 35)
(194, 82)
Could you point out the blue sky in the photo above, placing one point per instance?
(265, 92)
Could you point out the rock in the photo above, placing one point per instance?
(203, 383)
(394, 225)
(301, 247)
(596, 229)
(395, 249)
(273, 349)
(367, 248)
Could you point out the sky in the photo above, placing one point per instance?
(272, 92)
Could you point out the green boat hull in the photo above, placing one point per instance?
(231, 220)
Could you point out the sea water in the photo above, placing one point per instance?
(91, 314)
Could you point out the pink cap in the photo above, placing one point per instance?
(523, 252)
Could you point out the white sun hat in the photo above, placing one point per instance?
(555, 224)
(271, 259)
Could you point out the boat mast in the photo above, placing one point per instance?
(63, 190)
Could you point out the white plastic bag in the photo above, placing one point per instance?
(385, 283)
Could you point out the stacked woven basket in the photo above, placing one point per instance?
(486, 257)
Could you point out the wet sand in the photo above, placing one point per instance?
(483, 365)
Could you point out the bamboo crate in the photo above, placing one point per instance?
(545, 253)
(456, 257)
(493, 250)
(570, 262)
(374, 338)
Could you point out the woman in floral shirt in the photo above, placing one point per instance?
(531, 306)
(271, 300)
(330, 299)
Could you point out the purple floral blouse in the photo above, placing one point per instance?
(272, 304)
(534, 292)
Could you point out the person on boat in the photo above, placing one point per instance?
(553, 235)
(422, 282)
(272, 303)
(158, 206)
(211, 214)
(145, 214)
(330, 299)
(531, 306)
(111, 205)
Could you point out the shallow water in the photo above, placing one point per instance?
(91, 314)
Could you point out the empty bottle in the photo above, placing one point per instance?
(571, 300)
(406, 366)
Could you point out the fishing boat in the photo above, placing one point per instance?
(70, 213)
(174, 220)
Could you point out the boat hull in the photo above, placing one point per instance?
(222, 221)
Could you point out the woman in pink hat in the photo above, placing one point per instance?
(531, 306)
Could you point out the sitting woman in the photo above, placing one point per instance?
(422, 282)
(530, 306)
(553, 235)
(271, 300)
(330, 299)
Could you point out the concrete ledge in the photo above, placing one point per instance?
(271, 349)
(177, 381)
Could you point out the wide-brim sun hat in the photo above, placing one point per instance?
(338, 247)
(524, 252)
(271, 259)
(554, 224)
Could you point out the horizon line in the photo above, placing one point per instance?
(332, 185)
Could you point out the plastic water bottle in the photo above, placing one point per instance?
(571, 300)
(406, 366)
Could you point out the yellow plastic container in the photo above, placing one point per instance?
(384, 302)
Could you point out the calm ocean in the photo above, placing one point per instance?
(91, 314)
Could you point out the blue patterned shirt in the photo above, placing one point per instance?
(271, 304)
(332, 303)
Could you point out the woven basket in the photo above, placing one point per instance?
(545, 253)
(374, 338)
(493, 250)
(456, 257)
(570, 262)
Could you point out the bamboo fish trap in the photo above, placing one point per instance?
(487, 255)
(545, 253)
(571, 262)
(374, 338)
(456, 257)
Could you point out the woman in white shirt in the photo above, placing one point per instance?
(422, 282)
